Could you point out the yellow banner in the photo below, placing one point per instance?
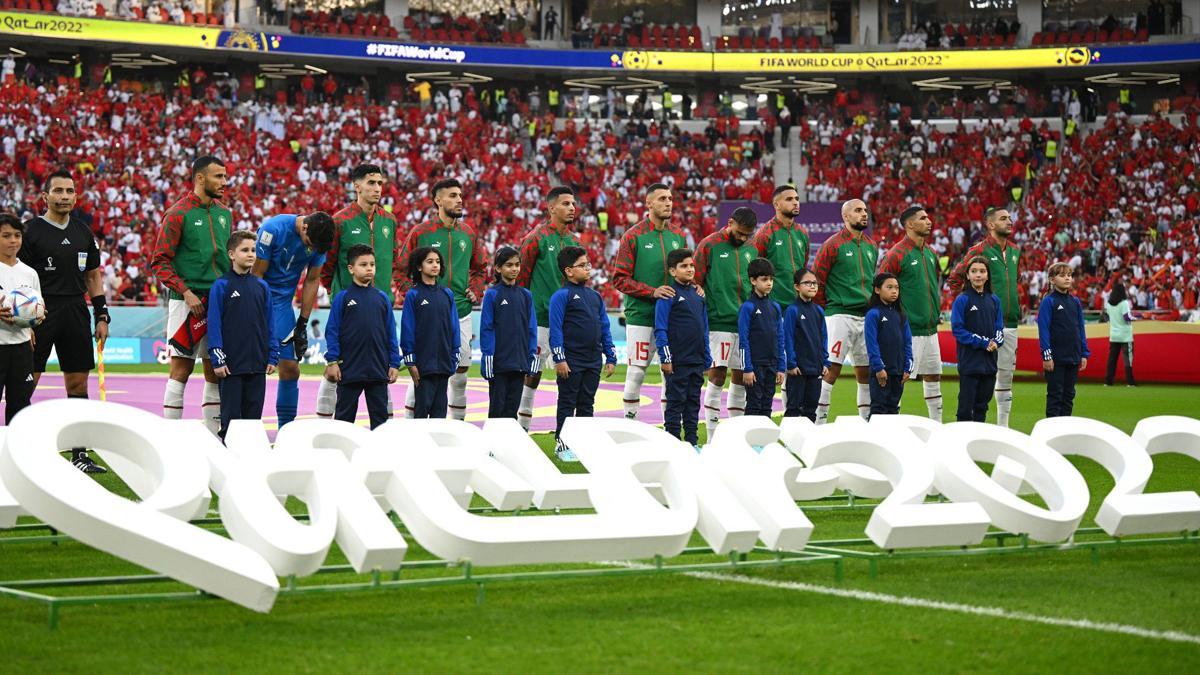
(882, 62)
(683, 61)
(132, 33)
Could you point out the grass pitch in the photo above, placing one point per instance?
(768, 620)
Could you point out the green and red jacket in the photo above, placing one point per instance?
(1004, 269)
(539, 265)
(190, 254)
(916, 268)
(463, 259)
(377, 230)
(721, 271)
(845, 269)
(787, 249)
(641, 267)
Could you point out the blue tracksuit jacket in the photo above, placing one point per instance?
(976, 319)
(761, 334)
(805, 337)
(433, 348)
(579, 331)
(889, 340)
(508, 331)
(239, 324)
(361, 334)
(681, 328)
(1061, 329)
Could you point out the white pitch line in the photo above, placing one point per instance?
(977, 610)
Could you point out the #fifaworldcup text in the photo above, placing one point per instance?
(647, 491)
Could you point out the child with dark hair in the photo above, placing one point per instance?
(362, 352)
(889, 345)
(761, 339)
(978, 326)
(681, 336)
(431, 352)
(807, 345)
(507, 336)
(1063, 340)
(579, 338)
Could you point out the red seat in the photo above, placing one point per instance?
(1011, 40)
(747, 42)
(971, 41)
(1102, 35)
(453, 35)
(949, 30)
(1037, 39)
(519, 38)
(1062, 39)
(1089, 35)
(721, 44)
(409, 23)
(1076, 37)
(1128, 35)
(672, 42)
(360, 20)
(773, 45)
(1143, 35)
(440, 35)
(359, 30)
(392, 33)
(788, 43)
(760, 44)
(656, 31)
(635, 42)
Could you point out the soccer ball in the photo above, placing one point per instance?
(27, 307)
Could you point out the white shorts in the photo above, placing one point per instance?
(846, 339)
(465, 334)
(1006, 354)
(639, 346)
(177, 313)
(927, 355)
(725, 350)
(543, 355)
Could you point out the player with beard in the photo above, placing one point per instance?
(61, 248)
(722, 262)
(1004, 269)
(189, 257)
(640, 272)
(845, 269)
(362, 222)
(784, 242)
(915, 266)
(465, 273)
(541, 275)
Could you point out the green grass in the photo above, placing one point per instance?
(675, 623)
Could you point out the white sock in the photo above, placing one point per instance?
(864, 401)
(712, 408)
(410, 401)
(783, 394)
(933, 399)
(1004, 396)
(737, 400)
(173, 400)
(212, 407)
(633, 391)
(326, 399)
(525, 412)
(823, 402)
(391, 411)
(458, 396)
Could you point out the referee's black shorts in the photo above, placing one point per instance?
(68, 329)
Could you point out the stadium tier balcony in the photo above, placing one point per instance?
(362, 25)
(1085, 33)
(651, 36)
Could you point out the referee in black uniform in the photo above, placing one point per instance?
(63, 251)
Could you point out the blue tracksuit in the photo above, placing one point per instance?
(889, 347)
(580, 336)
(806, 342)
(239, 338)
(1064, 342)
(361, 338)
(976, 321)
(761, 339)
(681, 336)
(508, 340)
(433, 349)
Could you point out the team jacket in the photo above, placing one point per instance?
(889, 341)
(681, 328)
(190, 253)
(976, 320)
(787, 249)
(508, 331)
(463, 259)
(579, 332)
(239, 324)
(1061, 329)
(1004, 269)
(378, 231)
(761, 334)
(916, 268)
(432, 348)
(280, 245)
(641, 266)
(539, 265)
(805, 338)
(845, 270)
(721, 271)
(361, 334)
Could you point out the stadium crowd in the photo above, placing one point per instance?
(1105, 203)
